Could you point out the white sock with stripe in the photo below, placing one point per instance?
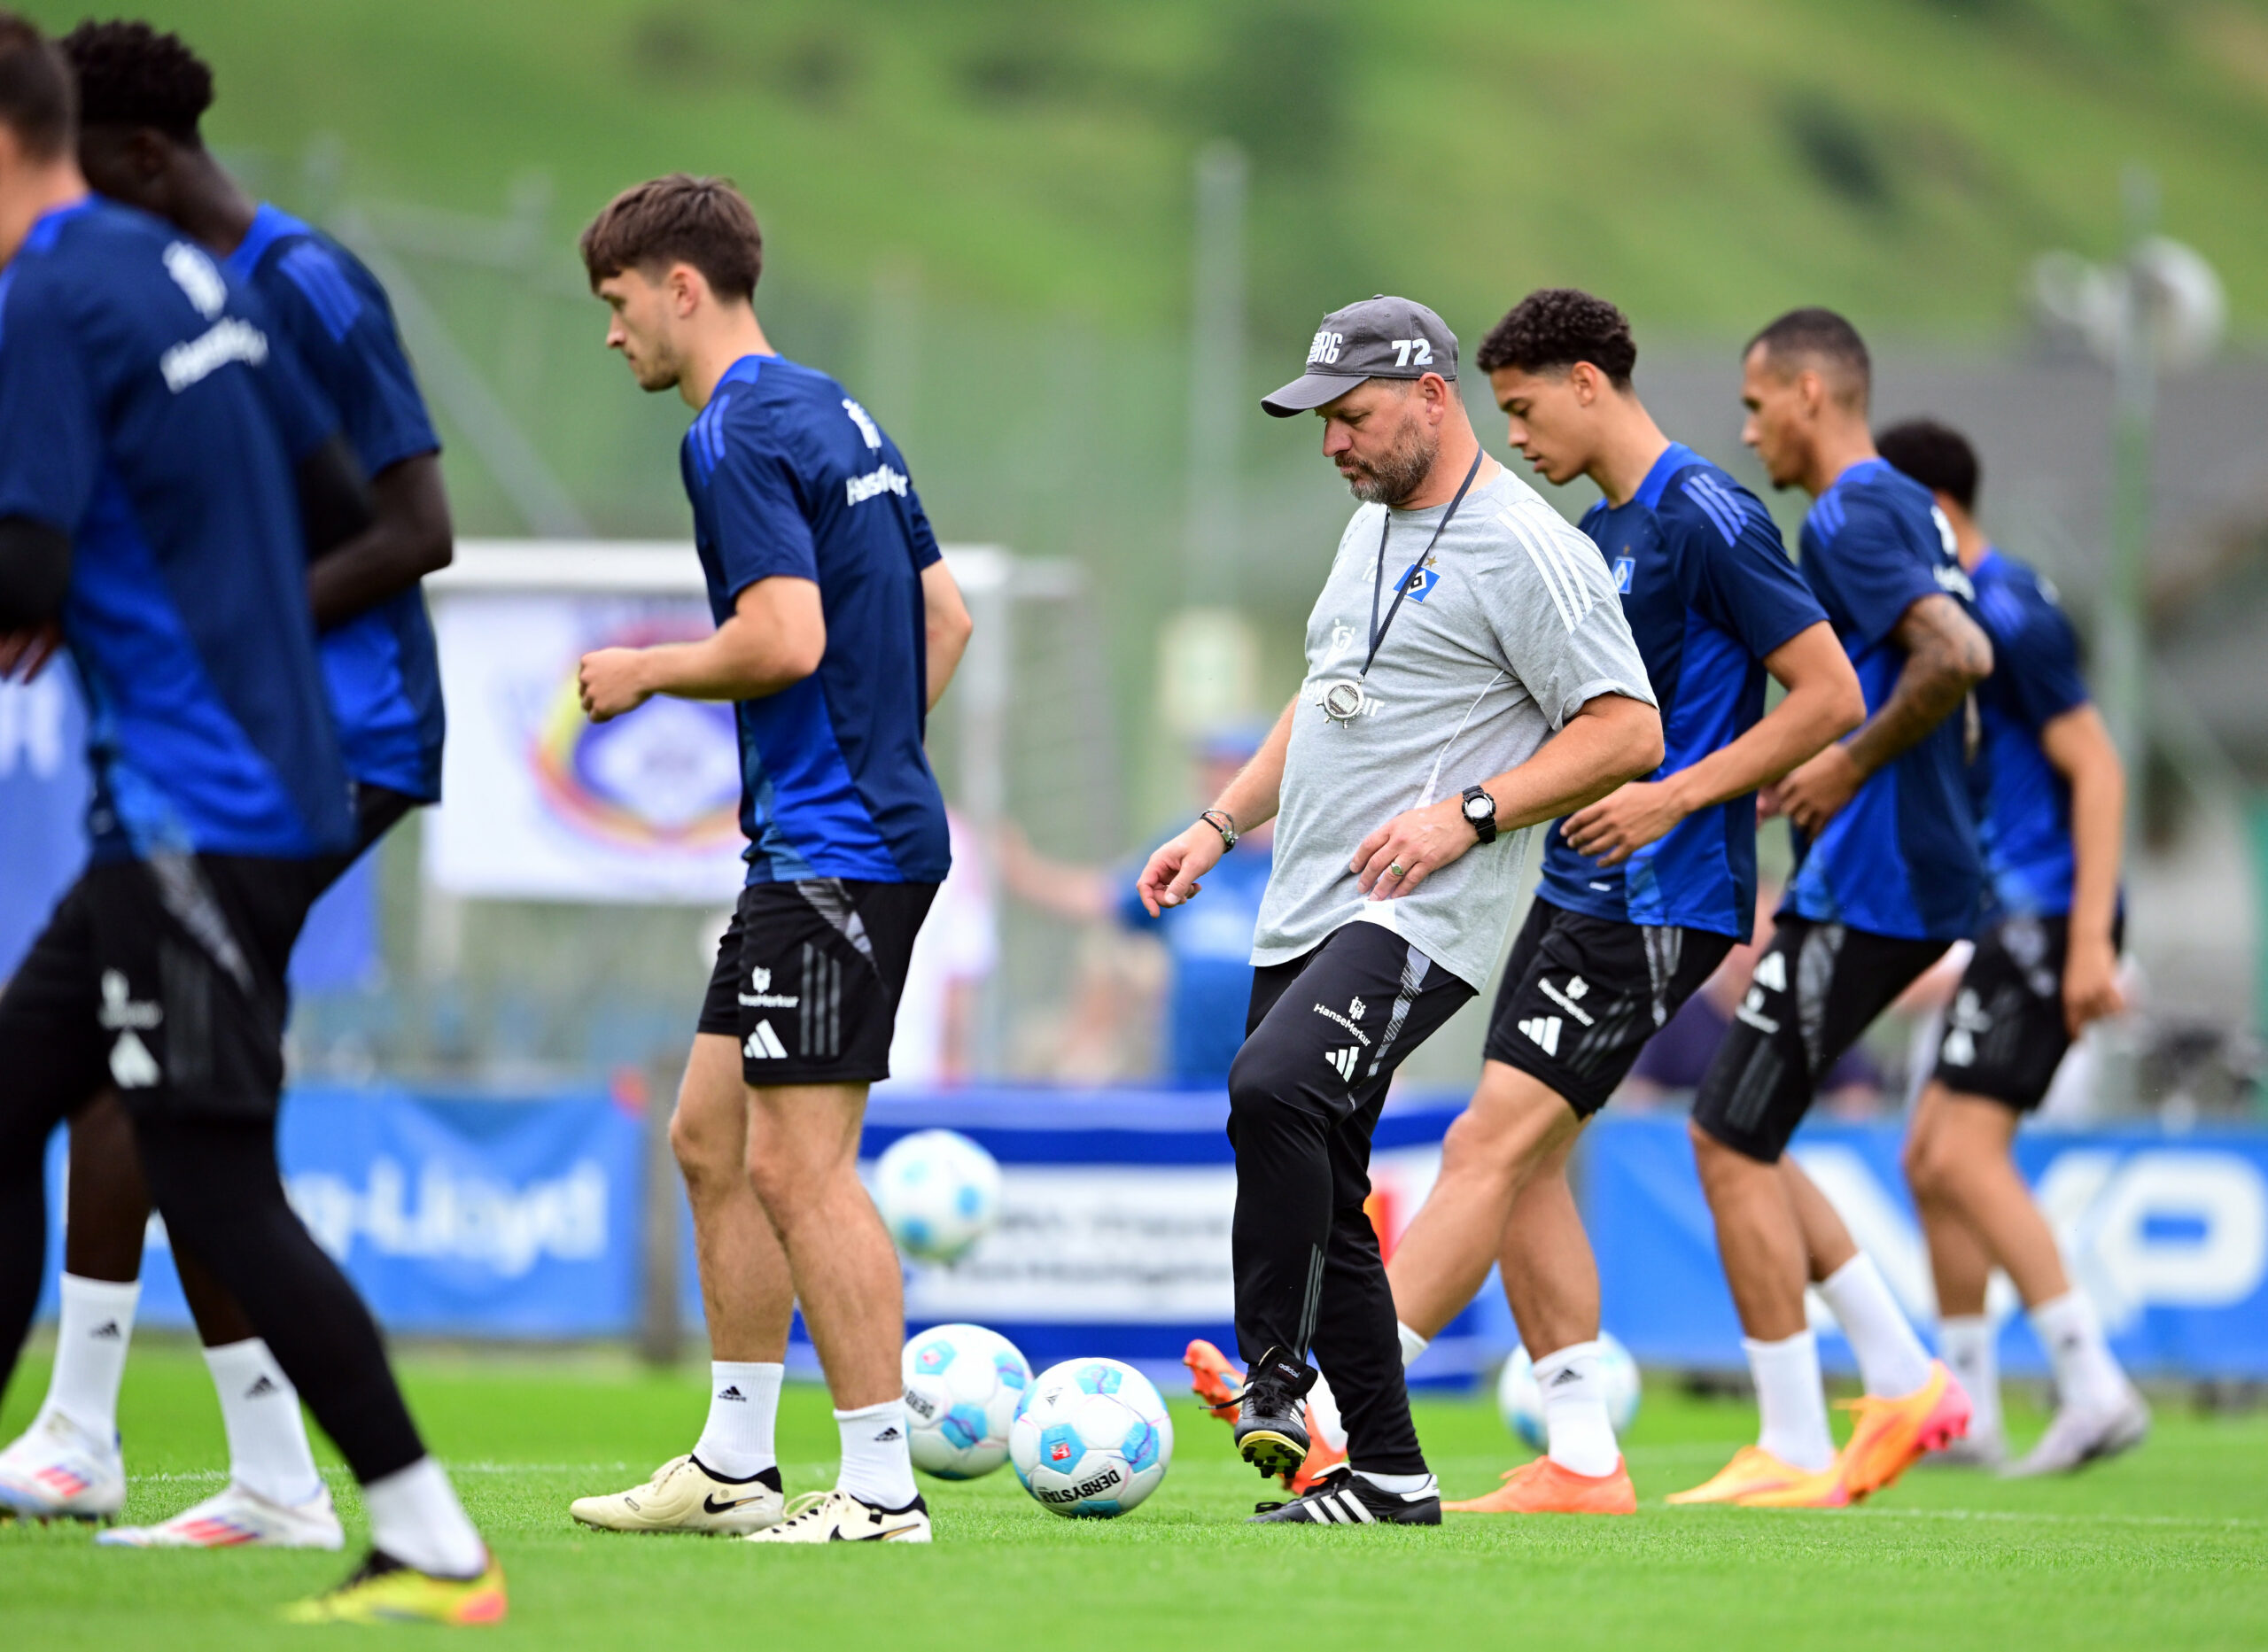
(743, 1402)
(1575, 1422)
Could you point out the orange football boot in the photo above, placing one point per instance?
(1545, 1487)
(1828, 1489)
(1892, 1435)
(1752, 1470)
(1219, 1385)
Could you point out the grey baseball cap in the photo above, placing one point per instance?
(1380, 338)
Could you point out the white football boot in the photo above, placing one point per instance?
(836, 1516)
(684, 1496)
(235, 1516)
(2076, 1436)
(57, 1470)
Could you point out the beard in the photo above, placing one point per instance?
(1398, 472)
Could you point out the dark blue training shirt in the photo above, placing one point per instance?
(1708, 589)
(788, 475)
(1211, 941)
(384, 672)
(2025, 802)
(1901, 859)
(144, 412)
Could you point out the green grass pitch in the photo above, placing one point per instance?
(2166, 1548)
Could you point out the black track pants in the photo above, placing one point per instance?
(1326, 1032)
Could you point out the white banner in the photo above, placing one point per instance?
(539, 804)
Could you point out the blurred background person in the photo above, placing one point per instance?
(936, 1041)
(1207, 942)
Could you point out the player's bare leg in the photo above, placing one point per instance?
(1512, 1123)
(730, 1482)
(1977, 1211)
(1551, 1282)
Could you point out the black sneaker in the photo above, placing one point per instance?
(1344, 1498)
(1271, 1413)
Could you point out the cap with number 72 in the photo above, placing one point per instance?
(1380, 338)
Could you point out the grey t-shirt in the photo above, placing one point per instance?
(1511, 625)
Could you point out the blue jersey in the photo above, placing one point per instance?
(1708, 590)
(2024, 803)
(1211, 941)
(1902, 858)
(145, 413)
(382, 667)
(788, 475)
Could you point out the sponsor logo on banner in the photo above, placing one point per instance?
(440, 1212)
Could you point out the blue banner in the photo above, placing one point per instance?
(472, 1216)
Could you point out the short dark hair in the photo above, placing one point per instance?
(35, 100)
(681, 219)
(1824, 337)
(1553, 328)
(129, 75)
(1936, 455)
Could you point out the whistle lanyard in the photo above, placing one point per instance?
(1378, 575)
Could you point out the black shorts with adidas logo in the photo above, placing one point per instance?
(1581, 994)
(809, 974)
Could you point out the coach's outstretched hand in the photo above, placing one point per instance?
(1171, 876)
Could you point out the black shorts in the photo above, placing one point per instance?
(2005, 1035)
(1581, 994)
(808, 977)
(162, 980)
(1816, 989)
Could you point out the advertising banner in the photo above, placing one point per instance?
(477, 1217)
(540, 803)
(43, 788)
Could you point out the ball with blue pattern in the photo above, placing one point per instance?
(963, 1386)
(938, 1193)
(1093, 1439)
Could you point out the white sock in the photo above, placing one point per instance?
(415, 1517)
(1323, 1412)
(2086, 1372)
(96, 1324)
(1972, 1353)
(1575, 1410)
(1892, 1358)
(1412, 1344)
(267, 1439)
(743, 1404)
(1399, 1484)
(877, 1464)
(1791, 1403)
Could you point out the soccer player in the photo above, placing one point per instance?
(1643, 893)
(2046, 963)
(838, 627)
(1889, 876)
(141, 96)
(1470, 673)
(150, 503)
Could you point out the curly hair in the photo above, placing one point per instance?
(129, 75)
(679, 218)
(1553, 328)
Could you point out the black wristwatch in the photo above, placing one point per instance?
(1480, 813)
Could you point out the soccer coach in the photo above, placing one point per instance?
(1469, 673)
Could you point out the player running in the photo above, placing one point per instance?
(2046, 963)
(1889, 876)
(1469, 673)
(141, 95)
(151, 504)
(838, 627)
(1643, 893)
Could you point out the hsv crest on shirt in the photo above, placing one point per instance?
(790, 477)
(149, 410)
(1902, 858)
(1708, 590)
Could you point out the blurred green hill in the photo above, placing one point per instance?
(1705, 163)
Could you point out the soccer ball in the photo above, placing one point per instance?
(1093, 1439)
(938, 1193)
(963, 1386)
(1521, 1402)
